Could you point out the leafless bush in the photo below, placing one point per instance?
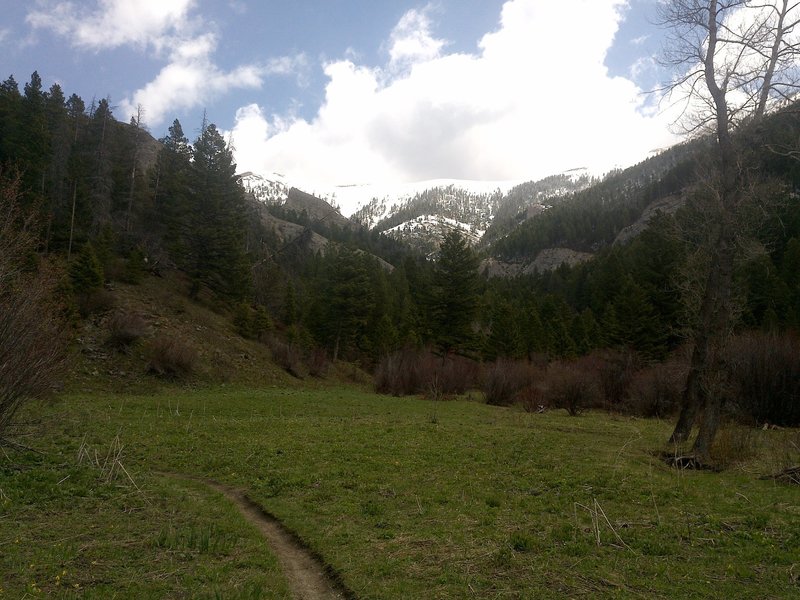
(124, 329)
(533, 398)
(656, 390)
(571, 387)
(506, 380)
(96, 302)
(318, 363)
(289, 356)
(172, 356)
(455, 374)
(412, 371)
(615, 372)
(404, 372)
(765, 370)
(32, 342)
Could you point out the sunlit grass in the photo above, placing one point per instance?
(405, 498)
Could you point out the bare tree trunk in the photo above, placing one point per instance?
(136, 148)
(701, 392)
(72, 218)
(763, 57)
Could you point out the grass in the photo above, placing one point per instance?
(477, 502)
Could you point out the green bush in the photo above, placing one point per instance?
(85, 272)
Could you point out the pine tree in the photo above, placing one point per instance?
(216, 247)
(34, 140)
(170, 180)
(10, 119)
(504, 337)
(345, 304)
(101, 183)
(455, 295)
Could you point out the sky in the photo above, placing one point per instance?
(342, 92)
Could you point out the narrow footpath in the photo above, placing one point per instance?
(306, 574)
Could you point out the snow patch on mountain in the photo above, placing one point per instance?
(269, 189)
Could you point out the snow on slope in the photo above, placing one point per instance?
(354, 197)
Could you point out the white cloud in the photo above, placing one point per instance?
(644, 65)
(536, 99)
(192, 79)
(166, 28)
(112, 23)
(412, 41)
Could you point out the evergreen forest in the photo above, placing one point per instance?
(106, 202)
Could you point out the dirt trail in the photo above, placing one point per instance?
(305, 573)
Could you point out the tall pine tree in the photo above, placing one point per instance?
(454, 305)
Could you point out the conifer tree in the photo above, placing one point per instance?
(345, 303)
(34, 139)
(216, 249)
(455, 295)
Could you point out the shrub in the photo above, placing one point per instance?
(171, 356)
(261, 322)
(453, 375)
(733, 444)
(251, 323)
(506, 380)
(96, 302)
(404, 372)
(288, 356)
(318, 363)
(135, 267)
(125, 328)
(32, 342)
(243, 320)
(655, 392)
(765, 371)
(571, 387)
(615, 372)
(411, 371)
(532, 398)
(85, 272)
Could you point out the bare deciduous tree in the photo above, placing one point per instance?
(737, 58)
(31, 330)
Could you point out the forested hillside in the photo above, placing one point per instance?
(107, 195)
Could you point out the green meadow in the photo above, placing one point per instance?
(402, 498)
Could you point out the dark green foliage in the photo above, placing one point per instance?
(214, 249)
(345, 303)
(454, 305)
(135, 266)
(592, 218)
(86, 272)
(251, 323)
(261, 322)
(504, 337)
(80, 173)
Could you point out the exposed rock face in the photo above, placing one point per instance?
(666, 206)
(291, 233)
(317, 209)
(550, 259)
(547, 260)
(491, 267)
